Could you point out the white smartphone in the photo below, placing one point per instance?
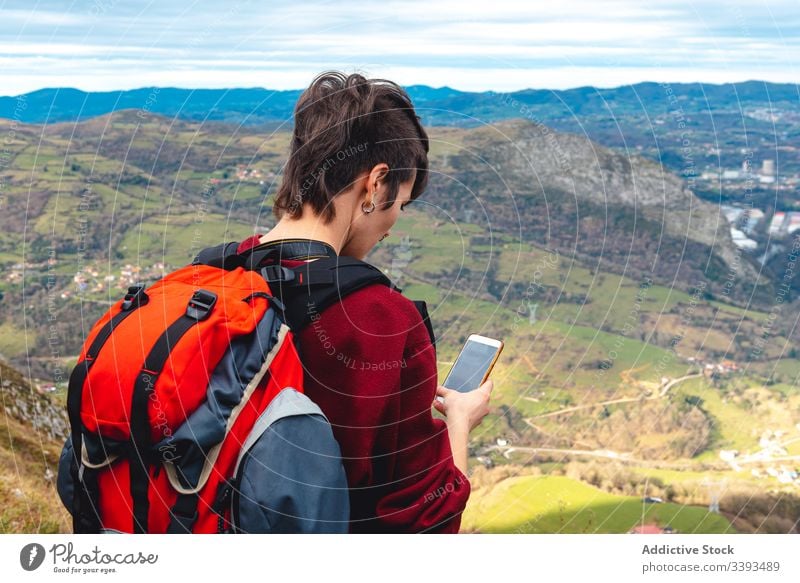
(474, 363)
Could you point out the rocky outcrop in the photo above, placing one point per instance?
(20, 400)
(534, 160)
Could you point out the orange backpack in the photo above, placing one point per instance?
(173, 379)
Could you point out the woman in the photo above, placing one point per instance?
(358, 157)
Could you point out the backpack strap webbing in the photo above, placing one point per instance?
(199, 308)
(297, 313)
(305, 290)
(314, 286)
(422, 308)
(226, 255)
(184, 514)
(85, 514)
(311, 280)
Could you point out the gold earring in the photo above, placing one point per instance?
(372, 208)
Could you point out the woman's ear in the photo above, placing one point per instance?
(376, 178)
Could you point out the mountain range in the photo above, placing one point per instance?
(635, 330)
(436, 106)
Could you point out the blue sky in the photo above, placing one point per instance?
(500, 45)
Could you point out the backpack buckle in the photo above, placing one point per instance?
(275, 302)
(277, 273)
(135, 297)
(201, 304)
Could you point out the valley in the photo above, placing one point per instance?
(646, 356)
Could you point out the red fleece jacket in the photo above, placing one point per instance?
(371, 367)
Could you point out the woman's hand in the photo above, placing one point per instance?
(464, 412)
(464, 408)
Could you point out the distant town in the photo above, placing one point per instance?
(747, 221)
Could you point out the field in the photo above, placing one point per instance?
(29, 502)
(601, 361)
(556, 504)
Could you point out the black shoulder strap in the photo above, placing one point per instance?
(85, 507)
(308, 289)
(305, 290)
(223, 255)
(422, 308)
(226, 256)
(323, 282)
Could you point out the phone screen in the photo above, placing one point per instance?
(470, 367)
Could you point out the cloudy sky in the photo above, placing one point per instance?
(501, 45)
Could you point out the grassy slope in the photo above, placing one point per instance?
(740, 420)
(556, 504)
(562, 347)
(29, 502)
(570, 335)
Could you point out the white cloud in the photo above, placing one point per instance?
(74, 49)
(503, 45)
(34, 16)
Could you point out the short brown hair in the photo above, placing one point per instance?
(345, 125)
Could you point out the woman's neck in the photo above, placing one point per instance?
(309, 227)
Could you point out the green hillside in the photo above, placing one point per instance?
(605, 361)
(551, 504)
(30, 446)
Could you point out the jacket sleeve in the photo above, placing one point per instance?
(293, 480)
(426, 492)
